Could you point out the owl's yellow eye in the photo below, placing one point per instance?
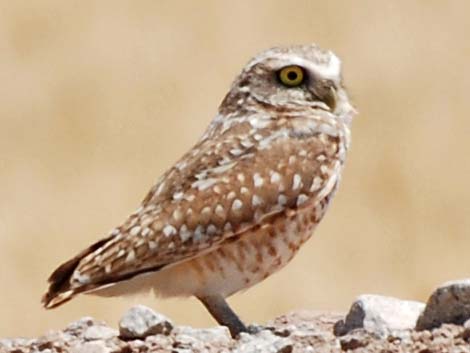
(291, 76)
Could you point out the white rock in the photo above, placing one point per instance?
(90, 347)
(262, 342)
(449, 303)
(380, 315)
(99, 333)
(157, 340)
(219, 334)
(141, 321)
(81, 323)
(9, 343)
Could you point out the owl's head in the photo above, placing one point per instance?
(292, 78)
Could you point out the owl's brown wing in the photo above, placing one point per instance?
(220, 189)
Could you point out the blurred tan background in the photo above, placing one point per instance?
(98, 98)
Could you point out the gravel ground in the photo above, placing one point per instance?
(301, 331)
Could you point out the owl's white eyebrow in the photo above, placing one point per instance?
(330, 70)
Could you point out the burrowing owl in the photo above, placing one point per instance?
(236, 207)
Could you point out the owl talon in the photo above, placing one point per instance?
(254, 329)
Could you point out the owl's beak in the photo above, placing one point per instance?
(325, 92)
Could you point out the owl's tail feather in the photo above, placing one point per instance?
(60, 289)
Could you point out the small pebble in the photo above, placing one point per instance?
(141, 321)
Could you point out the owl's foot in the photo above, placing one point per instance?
(254, 329)
(223, 314)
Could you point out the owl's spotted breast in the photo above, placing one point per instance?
(245, 260)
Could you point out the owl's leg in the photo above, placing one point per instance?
(222, 313)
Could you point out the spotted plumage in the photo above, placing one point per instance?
(240, 203)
